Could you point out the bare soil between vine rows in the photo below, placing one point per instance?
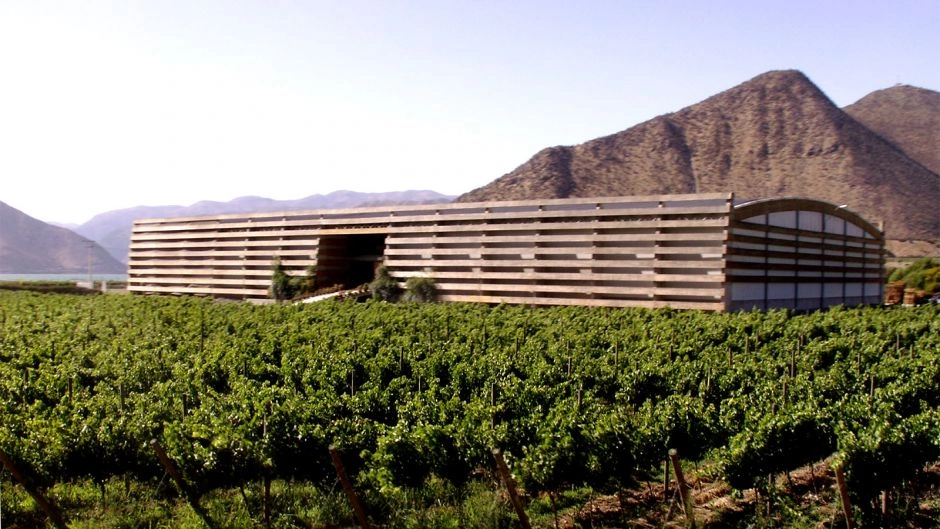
(810, 490)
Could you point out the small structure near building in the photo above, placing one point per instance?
(696, 251)
(894, 294)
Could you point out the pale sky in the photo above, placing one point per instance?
(107, 105)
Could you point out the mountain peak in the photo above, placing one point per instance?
(903, 91)
(774, 135)
(781, 77)
(772, 90)
(908, 117)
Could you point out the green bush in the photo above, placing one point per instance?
(384, 287)
(285, 287)
(922, 274)
(282, 286)
(308, 283)
(420, 289)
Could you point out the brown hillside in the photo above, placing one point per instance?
(774, 135)
(907, 116)
(30, 246)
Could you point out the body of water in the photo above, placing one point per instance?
(62, 277)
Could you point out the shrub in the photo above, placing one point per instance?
(384, 287)
(922, 274)
(420, 289)
(283, 286)
(308, 283)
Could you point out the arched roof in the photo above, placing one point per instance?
(774, 205)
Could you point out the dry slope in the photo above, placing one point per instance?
(908, 117)
(775, 135)
(30, 246)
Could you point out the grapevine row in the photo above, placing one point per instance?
(573, 396)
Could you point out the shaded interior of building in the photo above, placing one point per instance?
(349, 260)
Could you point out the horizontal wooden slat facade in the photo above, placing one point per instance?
(613, 252)
(623, 251)
(646, 251)
(803, 254)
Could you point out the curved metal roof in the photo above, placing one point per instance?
(774, 205)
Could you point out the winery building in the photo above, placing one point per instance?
(696, 251)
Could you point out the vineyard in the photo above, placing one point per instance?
(247, 399)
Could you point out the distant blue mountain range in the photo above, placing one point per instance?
(112, 230)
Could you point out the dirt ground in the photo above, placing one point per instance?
(807, 497)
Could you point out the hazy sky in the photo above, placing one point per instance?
(107, 105)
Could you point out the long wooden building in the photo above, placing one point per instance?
(698, 251)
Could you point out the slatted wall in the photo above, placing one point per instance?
(630, 251)
(636, 251)
(223, 256)
(683, 251)
(802, 254)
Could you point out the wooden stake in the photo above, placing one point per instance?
(771, 490)
(267, 500)
(666, 480)
(492, 404)
(202, 329)
(51, 511)
(844, 496)
(511, 488)
(174, 473)
(793, 361)
(266, 479)
(347, 486)
(687, 503)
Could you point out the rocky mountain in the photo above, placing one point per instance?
(774, 135)
(113, 229)
(908, 117)
(30, 246)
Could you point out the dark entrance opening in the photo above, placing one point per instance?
(348, 260)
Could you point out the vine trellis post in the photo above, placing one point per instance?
(844, 496)
(188, 493)
(47, 506)
(687, 503)
(511, 488)
(348, 488)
